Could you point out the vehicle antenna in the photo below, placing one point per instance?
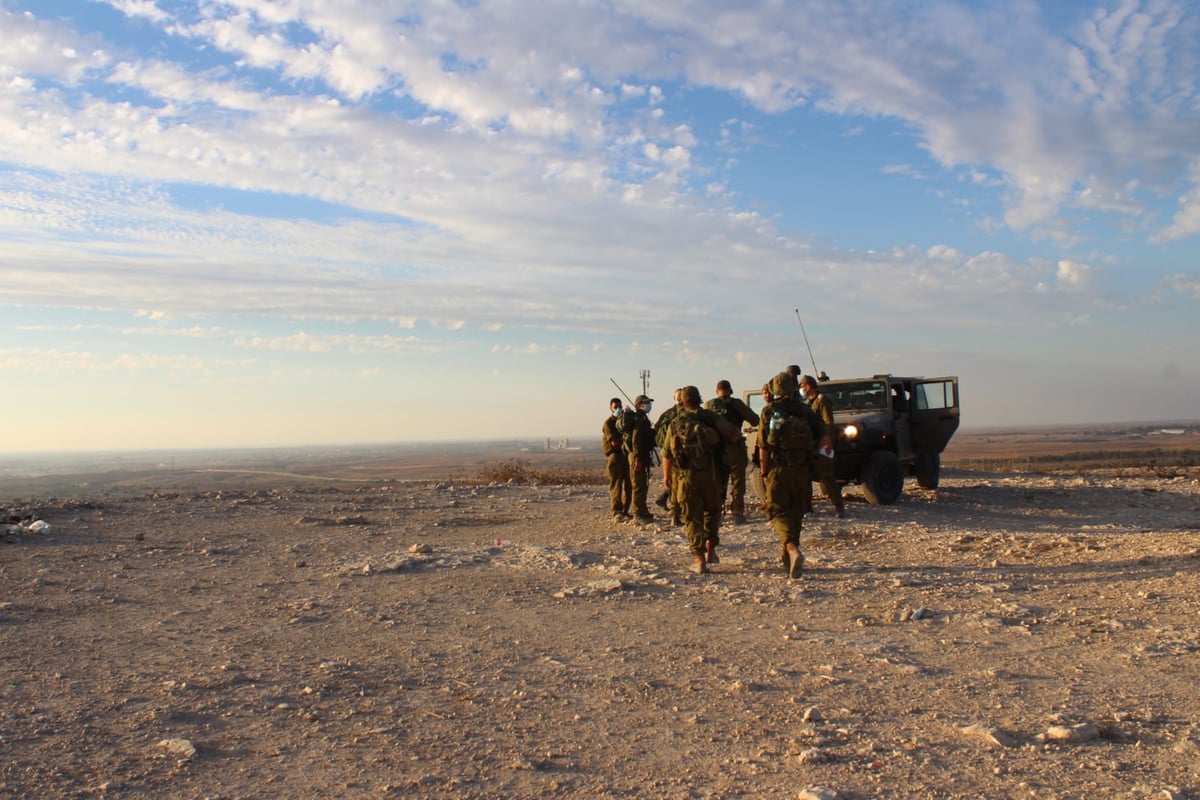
(810, 355)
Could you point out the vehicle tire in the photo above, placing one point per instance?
(929, 470)
(883, 479)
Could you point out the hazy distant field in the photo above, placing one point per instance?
(91, 474)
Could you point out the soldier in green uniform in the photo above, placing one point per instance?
(669, 499)
(639, 447)
(620, 488)
(734, 459)
(691, 454)
(787, 441)
(824, 461)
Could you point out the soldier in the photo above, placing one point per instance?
(691, 453)
(620, 489)
(795, 371)
(787, 441)
(734, 459)
(824, 460)
(639, 447)
(669, 499)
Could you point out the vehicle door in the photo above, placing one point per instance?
(754, 480)
(934, 413)
(898, 400)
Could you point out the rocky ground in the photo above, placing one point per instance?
(1008, 636)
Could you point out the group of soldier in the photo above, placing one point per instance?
(704, 459)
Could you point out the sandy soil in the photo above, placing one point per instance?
(1007, 636)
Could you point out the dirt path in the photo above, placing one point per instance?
(1008, 636)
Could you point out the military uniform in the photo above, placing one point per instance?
(699, 488)
(734, 459)
(620, 488)
(661, 426)
(786, 473)
(823, 465)
(639, 447)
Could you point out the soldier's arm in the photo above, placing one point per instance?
(818, 425)
(745, 412)
(764, 452)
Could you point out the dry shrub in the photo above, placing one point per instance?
(524, 472)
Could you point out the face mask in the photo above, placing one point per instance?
(646, 408)
(616, 412)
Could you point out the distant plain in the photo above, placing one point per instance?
(1029, 449)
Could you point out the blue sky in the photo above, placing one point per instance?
(329, 221)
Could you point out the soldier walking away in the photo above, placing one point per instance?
(620, 488)
(787, 441)
(669, 499)
(731, 468)
(638, 439)
(824, 461)
(691, 453)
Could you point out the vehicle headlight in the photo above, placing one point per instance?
(850, 431)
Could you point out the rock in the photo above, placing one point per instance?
(813, 755)
(182, 749)
(1187, 746)
(812, 714)
(990, 735)
(420, 548)
(818, 793)
(1071, 734)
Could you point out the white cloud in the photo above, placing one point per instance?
(1074, 276)
(496, 163)
(29, 46)
(140, 8)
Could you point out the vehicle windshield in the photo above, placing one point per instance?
(863, 395)
(756, 403)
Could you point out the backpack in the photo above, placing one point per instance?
(692, 441)
(788, 432)
(662, 427)
(625, 426)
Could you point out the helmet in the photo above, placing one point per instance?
(783, 385)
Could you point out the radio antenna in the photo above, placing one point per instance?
(806, 344)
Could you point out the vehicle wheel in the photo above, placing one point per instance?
(883, 479)
(929, 470)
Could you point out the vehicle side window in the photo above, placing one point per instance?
(934, 395)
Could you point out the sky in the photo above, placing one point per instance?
(300, 222)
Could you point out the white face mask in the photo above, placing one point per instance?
(617, 411)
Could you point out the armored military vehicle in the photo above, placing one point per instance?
(887, 427)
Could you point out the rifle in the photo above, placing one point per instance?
(622, 391)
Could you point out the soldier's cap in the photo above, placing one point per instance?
(793, 369)
(783, 385)
(724, 385)
(641, 398)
